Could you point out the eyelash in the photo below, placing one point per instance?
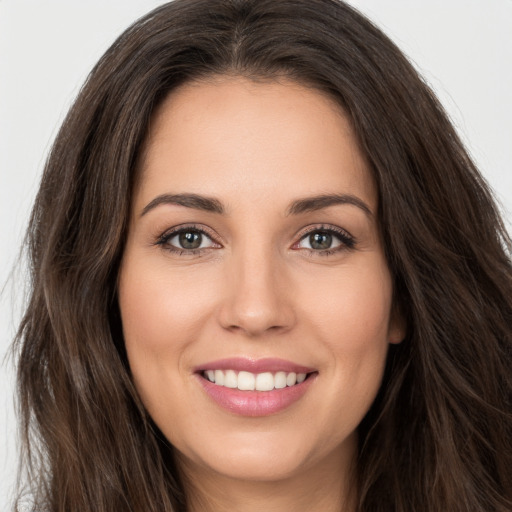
(347, 241)
(163, 240)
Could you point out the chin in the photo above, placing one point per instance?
(263, 456)
(252, 464)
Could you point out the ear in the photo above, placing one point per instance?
(397, 325)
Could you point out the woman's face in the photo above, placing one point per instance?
(253, 257)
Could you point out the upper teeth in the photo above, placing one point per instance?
(247, 381)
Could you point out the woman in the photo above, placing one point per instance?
(265, 274)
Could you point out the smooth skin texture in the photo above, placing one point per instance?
(257, 287)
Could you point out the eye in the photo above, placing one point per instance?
(319, 240)
(186, 240)
(325, 240)
(190, 240)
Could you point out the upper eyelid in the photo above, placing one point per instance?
(347, 240)
(171, 232)
(164, 240)
(210, 233)
(323, 227)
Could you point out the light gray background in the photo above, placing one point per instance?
(47, 47)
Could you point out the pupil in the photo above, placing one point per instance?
(320, 240)
(190, 240)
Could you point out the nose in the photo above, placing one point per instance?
(258, 296)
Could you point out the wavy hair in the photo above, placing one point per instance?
(439, 435)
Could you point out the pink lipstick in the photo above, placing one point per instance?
(255, 387)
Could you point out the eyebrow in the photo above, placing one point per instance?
(311, 204)
(212, 205)
(194, 201)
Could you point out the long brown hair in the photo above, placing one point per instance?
(439, 435)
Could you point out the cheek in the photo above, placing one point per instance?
(351, 308)
(162, 313)
(162, 310)
(351, 320)
(360, 348)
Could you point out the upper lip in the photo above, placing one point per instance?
(254, 365)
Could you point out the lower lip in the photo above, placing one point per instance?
(256, 403)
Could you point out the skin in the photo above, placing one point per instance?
(257, 289)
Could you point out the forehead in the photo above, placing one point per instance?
(230, 136)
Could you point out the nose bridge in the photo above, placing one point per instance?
(257, 297)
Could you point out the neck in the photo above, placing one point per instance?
(328, 486)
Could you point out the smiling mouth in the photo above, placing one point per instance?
(247, 381)
(255, 387)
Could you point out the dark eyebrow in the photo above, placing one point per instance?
(188, 200)
(307, 204)
(311, 204)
